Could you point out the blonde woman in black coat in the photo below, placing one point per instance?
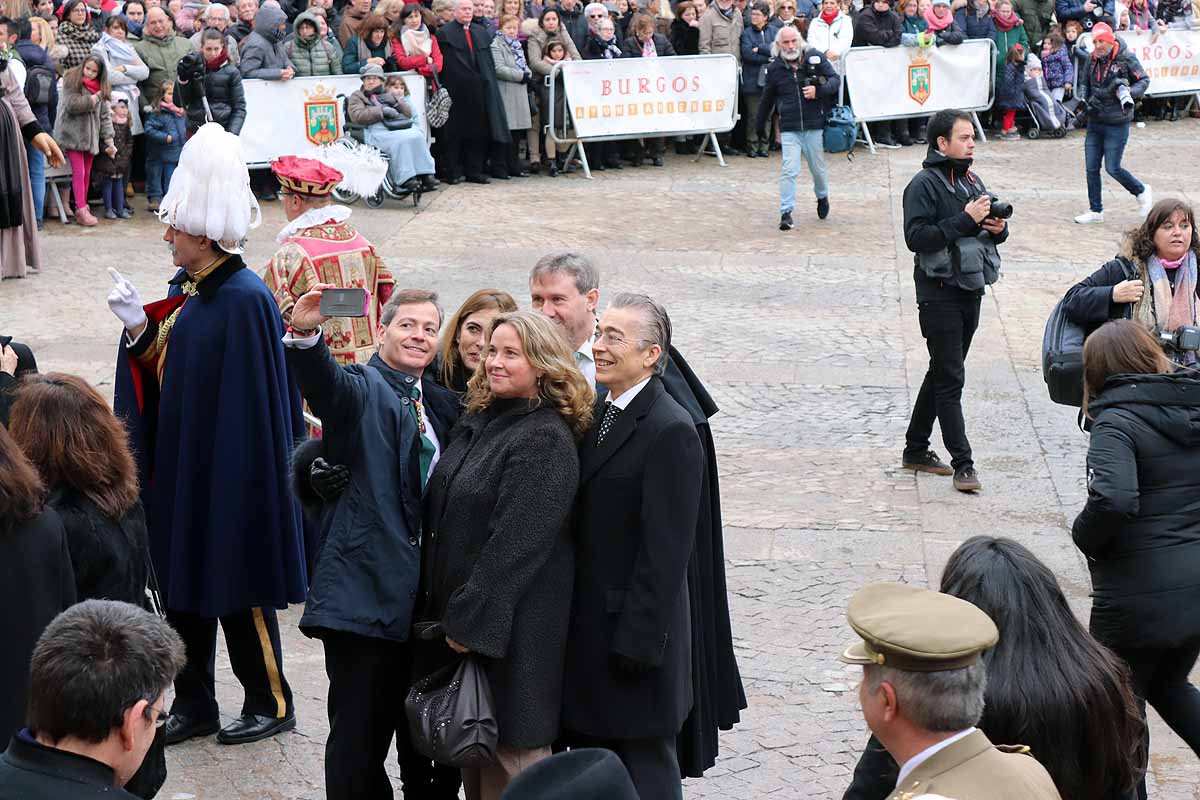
(498, 564)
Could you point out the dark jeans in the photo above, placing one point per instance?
(158, 177)
(947, 327)
(1160, 678)
(114, 194)
(1107, 142)
(368, 682)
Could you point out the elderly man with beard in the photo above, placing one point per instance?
(801, 83)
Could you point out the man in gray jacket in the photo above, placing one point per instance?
(721, 32)
(264, 56)
(263, 53)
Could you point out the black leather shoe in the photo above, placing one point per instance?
(180, 728)
(252, 728)
(823, 208)
(499, 176)
(657, 161)
(456, 180)
(428, 183)
(478, 179)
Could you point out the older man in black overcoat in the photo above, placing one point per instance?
(628, 684)
(477, 114)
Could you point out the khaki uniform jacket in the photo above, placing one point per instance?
(974, 769)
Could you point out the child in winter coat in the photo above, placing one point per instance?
(556, 152)
(83, 127)
(1048, 111)
(1056, 62)
(166, 130)
(1012, 91)
(112, 171)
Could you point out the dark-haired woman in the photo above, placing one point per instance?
(1051, 686)
(465, 337)
(1152, 279)
(36, 581)
(81, 453)
(1140, 528)
(75, 32)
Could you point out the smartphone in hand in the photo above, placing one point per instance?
(345, 302)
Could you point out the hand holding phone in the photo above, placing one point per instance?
(344, 302)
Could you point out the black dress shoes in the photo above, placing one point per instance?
(180, 728)
(478, 179)
(428, 183)
(252, 728)
(456, 180)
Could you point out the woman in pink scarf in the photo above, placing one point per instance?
(1010, 30)
(415, 47)
(940, 20)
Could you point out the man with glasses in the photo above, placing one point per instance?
(627, 684)
(97, 684)
(566, 288)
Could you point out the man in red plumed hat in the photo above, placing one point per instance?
(320, 246)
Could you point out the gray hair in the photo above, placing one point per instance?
(946, 701)
(656, 325)
(799, 35)
(216, 9)
(94, 662)
(409, 297)
(578, 266)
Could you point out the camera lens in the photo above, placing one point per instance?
(1000, 209)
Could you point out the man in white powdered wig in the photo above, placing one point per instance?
(203, 387)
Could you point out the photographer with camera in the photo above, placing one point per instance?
(952, 225)
(1152, 280)
(208, 86)
(803, 84)
(1112, 82)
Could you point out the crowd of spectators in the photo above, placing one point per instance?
(81, 60)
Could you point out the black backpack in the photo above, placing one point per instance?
(39, 84)
(1062, 351)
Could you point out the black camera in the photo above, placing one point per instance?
(190, 67)
(1000, 209)
(812, 72)
(1184, 339)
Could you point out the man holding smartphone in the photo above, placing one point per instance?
(320, 246)
(949, 226)
(384, 427)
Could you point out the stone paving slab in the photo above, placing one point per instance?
(809, 343)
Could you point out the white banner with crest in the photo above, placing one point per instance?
(898, 82)
(288, 117)
(648, 96)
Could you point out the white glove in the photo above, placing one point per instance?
(125, 302)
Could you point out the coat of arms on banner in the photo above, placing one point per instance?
(321, 116)
(919, 72)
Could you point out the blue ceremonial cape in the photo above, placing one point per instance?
(213, 444)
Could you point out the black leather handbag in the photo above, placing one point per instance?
(1062, 352)
(451, 716)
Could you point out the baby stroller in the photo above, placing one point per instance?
(1047, 115)
(354, 141)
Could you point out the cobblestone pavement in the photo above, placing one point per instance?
(809, 343)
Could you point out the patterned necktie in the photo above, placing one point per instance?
(610, 416)
(427, 449)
